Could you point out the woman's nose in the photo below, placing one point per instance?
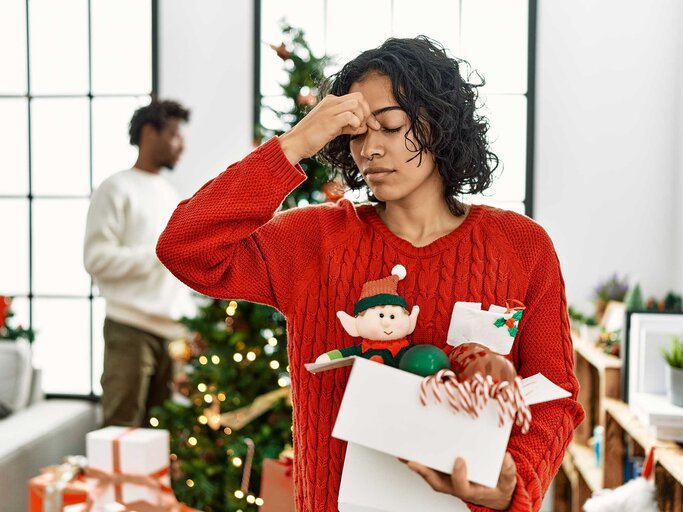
(371, 145)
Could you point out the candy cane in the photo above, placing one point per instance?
(471, 396)
(423, 390)
(452, 395)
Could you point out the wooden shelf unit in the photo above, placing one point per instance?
(669, 479)
(598, 376)
(623, 426)
(579, 475)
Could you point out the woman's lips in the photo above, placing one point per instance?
(377, 171)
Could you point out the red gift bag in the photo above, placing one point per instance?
(277, 486)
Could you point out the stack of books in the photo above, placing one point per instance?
(663, 419)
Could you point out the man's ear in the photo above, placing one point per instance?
(148, 132)
(413, 318)
(348, 323)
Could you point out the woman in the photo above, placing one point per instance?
(401, 121)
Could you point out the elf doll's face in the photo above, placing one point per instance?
(384, 323)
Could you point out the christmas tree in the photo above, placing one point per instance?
(305, 74)
(236, 409)
(232, 407)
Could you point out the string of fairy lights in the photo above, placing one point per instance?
(211, 415)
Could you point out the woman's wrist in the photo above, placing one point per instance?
(289, 148)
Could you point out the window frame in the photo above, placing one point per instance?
(530, 94)
(30, 196)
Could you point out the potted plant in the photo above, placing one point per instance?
(613, 288)
(674, 371)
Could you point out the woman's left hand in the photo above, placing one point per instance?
(457, 484)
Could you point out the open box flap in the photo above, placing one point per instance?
(537, 388)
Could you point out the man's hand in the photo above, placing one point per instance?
(458, 485)
(333, 116)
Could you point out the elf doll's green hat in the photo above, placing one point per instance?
(382, 292)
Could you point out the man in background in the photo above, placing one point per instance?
(143, 300)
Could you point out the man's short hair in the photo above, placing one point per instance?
(157, 114)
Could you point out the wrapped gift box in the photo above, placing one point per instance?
(130, 451)
(277, 486)
(40, 499)
(496, 327)
(381, 412)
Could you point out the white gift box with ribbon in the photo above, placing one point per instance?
(130, 451)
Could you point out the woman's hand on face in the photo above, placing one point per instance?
(458, 485)
(333, 116)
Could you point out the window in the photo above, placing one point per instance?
(494, 36)
(77, 71)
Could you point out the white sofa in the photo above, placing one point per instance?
(39, 432)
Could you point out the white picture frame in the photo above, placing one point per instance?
(648, 335)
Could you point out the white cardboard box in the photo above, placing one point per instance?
(373, 481)
(381, 411)
(141, 451)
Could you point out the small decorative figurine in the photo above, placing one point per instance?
(381, 318)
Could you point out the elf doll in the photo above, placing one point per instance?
(381, 319)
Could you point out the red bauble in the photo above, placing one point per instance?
(333, 190)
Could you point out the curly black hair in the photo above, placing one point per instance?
(156, 114)
(440, 104)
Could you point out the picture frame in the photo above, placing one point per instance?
(645, 333)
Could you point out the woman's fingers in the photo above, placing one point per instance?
(333, 116)
(359, 106)
(438, 481)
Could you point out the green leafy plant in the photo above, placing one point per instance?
(590, 321)
(674, 356)
(575, 314)
(673, 302)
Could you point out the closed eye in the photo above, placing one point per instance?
(385, 130)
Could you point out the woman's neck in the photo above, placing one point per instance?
(420, 224)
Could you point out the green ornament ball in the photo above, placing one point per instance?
(424, 360)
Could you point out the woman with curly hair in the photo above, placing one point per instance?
(400, 121)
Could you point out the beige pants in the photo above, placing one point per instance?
(137, 374)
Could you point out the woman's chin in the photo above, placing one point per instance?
(383, 195)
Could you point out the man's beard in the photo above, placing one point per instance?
(168, 165)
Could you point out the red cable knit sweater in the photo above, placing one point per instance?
(227, 241)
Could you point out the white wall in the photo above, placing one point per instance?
(206, 62)
(608, 117)
(679, 184)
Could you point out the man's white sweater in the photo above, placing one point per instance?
(127, 214)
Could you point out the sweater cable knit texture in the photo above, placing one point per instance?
(228, 241)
